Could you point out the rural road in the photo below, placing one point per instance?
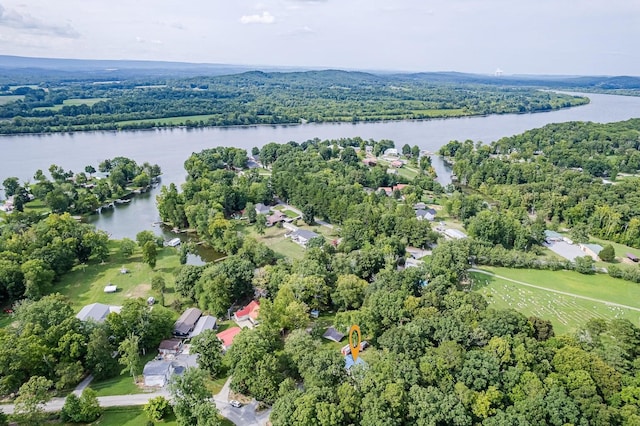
(564, 293)
(243, 416)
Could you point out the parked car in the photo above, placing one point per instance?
(235, 403)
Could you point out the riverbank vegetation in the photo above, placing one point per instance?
(80, 193)
(258, 98)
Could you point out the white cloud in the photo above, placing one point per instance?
(264, 18)
(14, 19)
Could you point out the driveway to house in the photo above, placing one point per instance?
(564, 249)
(245, 415)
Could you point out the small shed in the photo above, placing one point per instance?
(333, 334)
(632, 257)
(110, 288)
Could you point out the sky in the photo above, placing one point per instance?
(566, 37)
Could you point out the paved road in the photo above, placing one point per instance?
(105, 401)
(591, 299)
(295, 210)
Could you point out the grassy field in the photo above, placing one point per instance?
(127, 416)
(274, 238)
(85, 283)
(37, 206)
(5, 99)
(567, 313)
(72, 102)
(122, 384)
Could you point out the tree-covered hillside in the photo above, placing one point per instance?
(255, 98)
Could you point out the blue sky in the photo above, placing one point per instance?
(577, 37)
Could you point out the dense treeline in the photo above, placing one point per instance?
(556, 173)
(261, 98)
(439, 355)
(47, 340)
(35, 252)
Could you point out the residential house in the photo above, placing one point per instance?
(396, 164)
(418, 206)
(262, 209)
(186, 322)
(248, 313)
(387, 190)
(399, 187)
(591, 250)
(371, 162)
(206, 322)
(157, 373)
(392, 171)
(170, 347)
(391, 151)
(227, 336)
(302, 236)
(276, 217)
(96, 312)
(426, 214)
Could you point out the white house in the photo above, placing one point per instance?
(426, 214)
(391, 151)
(302, 236)
(157, 372)
(262, 209)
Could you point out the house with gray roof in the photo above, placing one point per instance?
(157, 372)
(206, 322)
(96, 312)
(333, 334)
(186, 322)
(426, 214)
(262, 209)
(302, 236)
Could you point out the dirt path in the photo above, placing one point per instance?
(564, 293)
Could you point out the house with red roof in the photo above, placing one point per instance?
(248, 313)
(227, 336)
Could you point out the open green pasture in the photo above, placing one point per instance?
(274, 239)
(127, 416)
(85, 283)
(5, 99)
(566, 311)
(72, 102)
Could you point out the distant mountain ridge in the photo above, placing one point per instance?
(105, 69)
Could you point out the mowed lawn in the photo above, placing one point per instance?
(85, 283)
(127, 416)
(567, 313)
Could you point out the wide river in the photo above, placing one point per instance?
(21, 156)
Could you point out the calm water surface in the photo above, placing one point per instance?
(21, 156)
